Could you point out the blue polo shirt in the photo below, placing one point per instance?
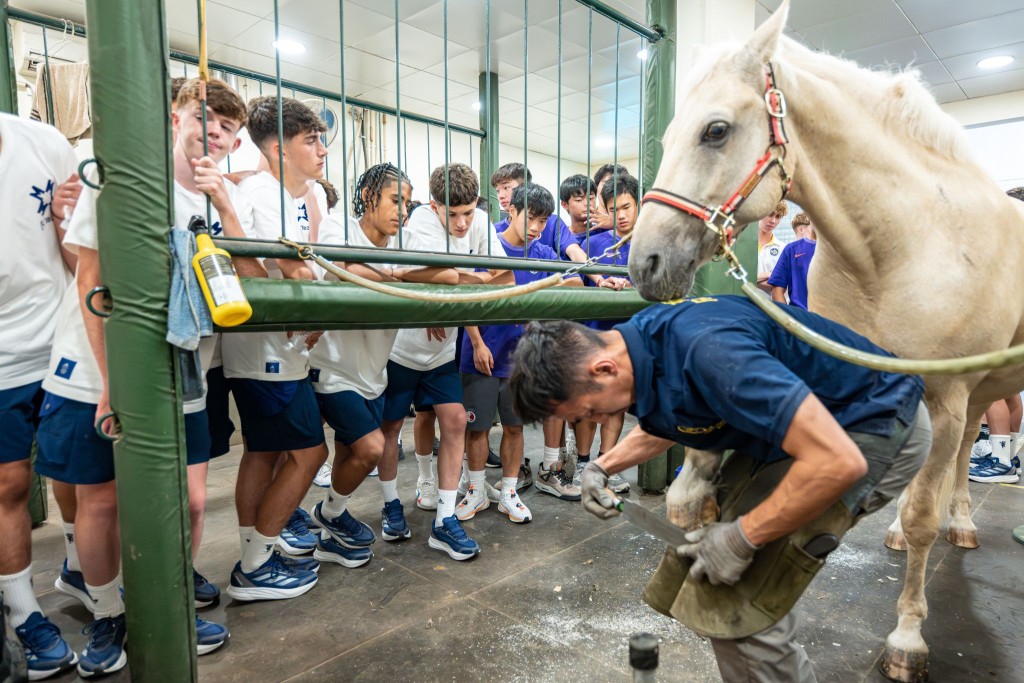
(715, 373)
(598, 243)
(791, 270)
(556, 235)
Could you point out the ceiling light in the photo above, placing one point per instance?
(476, 106)
(995, 62)
(642, 55)
(604, 142)
(289, 47)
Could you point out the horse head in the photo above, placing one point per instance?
(714, 141)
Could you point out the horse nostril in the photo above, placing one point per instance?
(653, 265)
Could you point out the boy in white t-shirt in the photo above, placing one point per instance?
(268, 372)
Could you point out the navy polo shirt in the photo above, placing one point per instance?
(716, 373)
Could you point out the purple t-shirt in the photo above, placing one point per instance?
(598, 243)
(556, 235)
(791, 270)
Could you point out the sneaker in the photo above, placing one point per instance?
(493, 494)
(493, 460)
(577, 475)
(618, 484)
(206, 592)
(296, 538)
(980, 451)
(437, 446)
(307, 519)
(1016, 463)
(525, 480)
(451, 538)
(209, 636)
(46, 651)
(329, 550)
(273, 580)
(346, 529)
(426, 494)
(104, 653)
(474, 502)
(323, 476)
(393, 526)
(556, 483)
(511, 505)
(73, 584)
(994, 472)
(375, 473)
(401, 455)
(306, 564)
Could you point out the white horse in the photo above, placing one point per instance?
(909, 227)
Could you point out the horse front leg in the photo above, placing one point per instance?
(961, 531)
(691, 502)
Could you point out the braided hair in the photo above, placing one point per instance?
(373, 180)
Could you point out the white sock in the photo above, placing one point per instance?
(424, 464)
(509, 483)
(18, 596)
(1015, 439)
(1001, 447)
(465, 466)
(70, 548)
(106, 599)
(258, 551)
(244, 536)
(477, 480)
(445, 505)
(551, 458)
(334, 504)
(389, 489)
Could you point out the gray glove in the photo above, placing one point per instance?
(597, 498)
(720, 551)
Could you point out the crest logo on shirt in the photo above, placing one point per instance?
(44, 195)
(273, 367)
(683, 429)
(303, 215)
(65, 367)
(773, 250)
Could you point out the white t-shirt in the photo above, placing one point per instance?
(768, 256)
(426, 232)
(268, 355)
(351, 360)
(34, 160)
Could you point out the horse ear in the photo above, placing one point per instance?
(760, 48)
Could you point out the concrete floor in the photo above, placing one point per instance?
(559, 597)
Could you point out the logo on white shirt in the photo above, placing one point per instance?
(65, 367)
(44, 196)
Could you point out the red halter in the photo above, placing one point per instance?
(719, 219)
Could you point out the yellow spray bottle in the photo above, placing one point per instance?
(218, 279)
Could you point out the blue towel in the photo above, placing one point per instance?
(188, 317)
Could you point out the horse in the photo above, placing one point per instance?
(907, 222)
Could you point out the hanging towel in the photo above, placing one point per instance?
(69, 88)
(188, 317)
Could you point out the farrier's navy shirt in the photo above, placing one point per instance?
(716, 373)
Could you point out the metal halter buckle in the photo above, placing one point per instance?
(719, 221)
(772, 111)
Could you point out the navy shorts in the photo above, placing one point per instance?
(278, 416)
(350, 415)
(197, 438)
(69, 449)
(217, 412)
(424, 388)
(19, 418)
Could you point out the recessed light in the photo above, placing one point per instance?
(604, 142)
(995, 62)
(642, 55)
(477, 106)
(289, 47)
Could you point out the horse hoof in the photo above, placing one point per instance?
(963, 538)
(693, 514)
(894, 540)
(906, 667)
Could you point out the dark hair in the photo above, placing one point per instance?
(1016, 193)
(607, 170)
(483, 204)
(620, 185)
(297, 117)
(537, 200)
(548, 367)
(577, 185)
(220, 97)
(512, 171)
(176, 84)
(463, 187)
(413, 205)
(330, 191)
(374, 180)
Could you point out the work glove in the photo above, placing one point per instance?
(720, 551)
(597, 498)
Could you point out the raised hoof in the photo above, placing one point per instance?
(906, 667)
(693, 514)
(963, 538)
(894, 540)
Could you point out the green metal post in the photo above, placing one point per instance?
(489, 143)
(8, 84)
(128, 54)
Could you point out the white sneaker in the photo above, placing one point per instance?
(493, 494)
(980, 450)
(513, 506)
(474, 502)
(323, 477)
(618, 484)
(577, 477)
(463, 484)
(426, 494)
(374, 473)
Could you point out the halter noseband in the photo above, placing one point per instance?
(719, 219)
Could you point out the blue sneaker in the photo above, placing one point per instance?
(451, 538)
(346, 529)
(329, 550)
(73, 584)
(209, 636)
(206, 592)
(994, 472)
(306, 564)
(307, 519)
(296, 538)
(46, 651)
(104, 653)
(273, 580)
(393, 526)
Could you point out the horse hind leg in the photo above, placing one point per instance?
(690, 502)
(961, 531)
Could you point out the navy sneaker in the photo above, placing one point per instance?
(209, 636)
(306, 564)
(273, 580)
(346, 529)
(73, 584)
(104, 653)
(46, 652)
(307, 519)
(493, 460)
(296, 538)
(329, 550)
(393, 526)
(451, 538)
(206, 592)
(994, 472)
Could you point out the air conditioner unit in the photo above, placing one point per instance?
(30, 64)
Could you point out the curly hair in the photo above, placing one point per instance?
(460, 180)
(781, 209)
(373, 181)
(330, 191)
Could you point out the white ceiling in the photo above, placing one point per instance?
(943, 38)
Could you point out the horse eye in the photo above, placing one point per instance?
(716, 131)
